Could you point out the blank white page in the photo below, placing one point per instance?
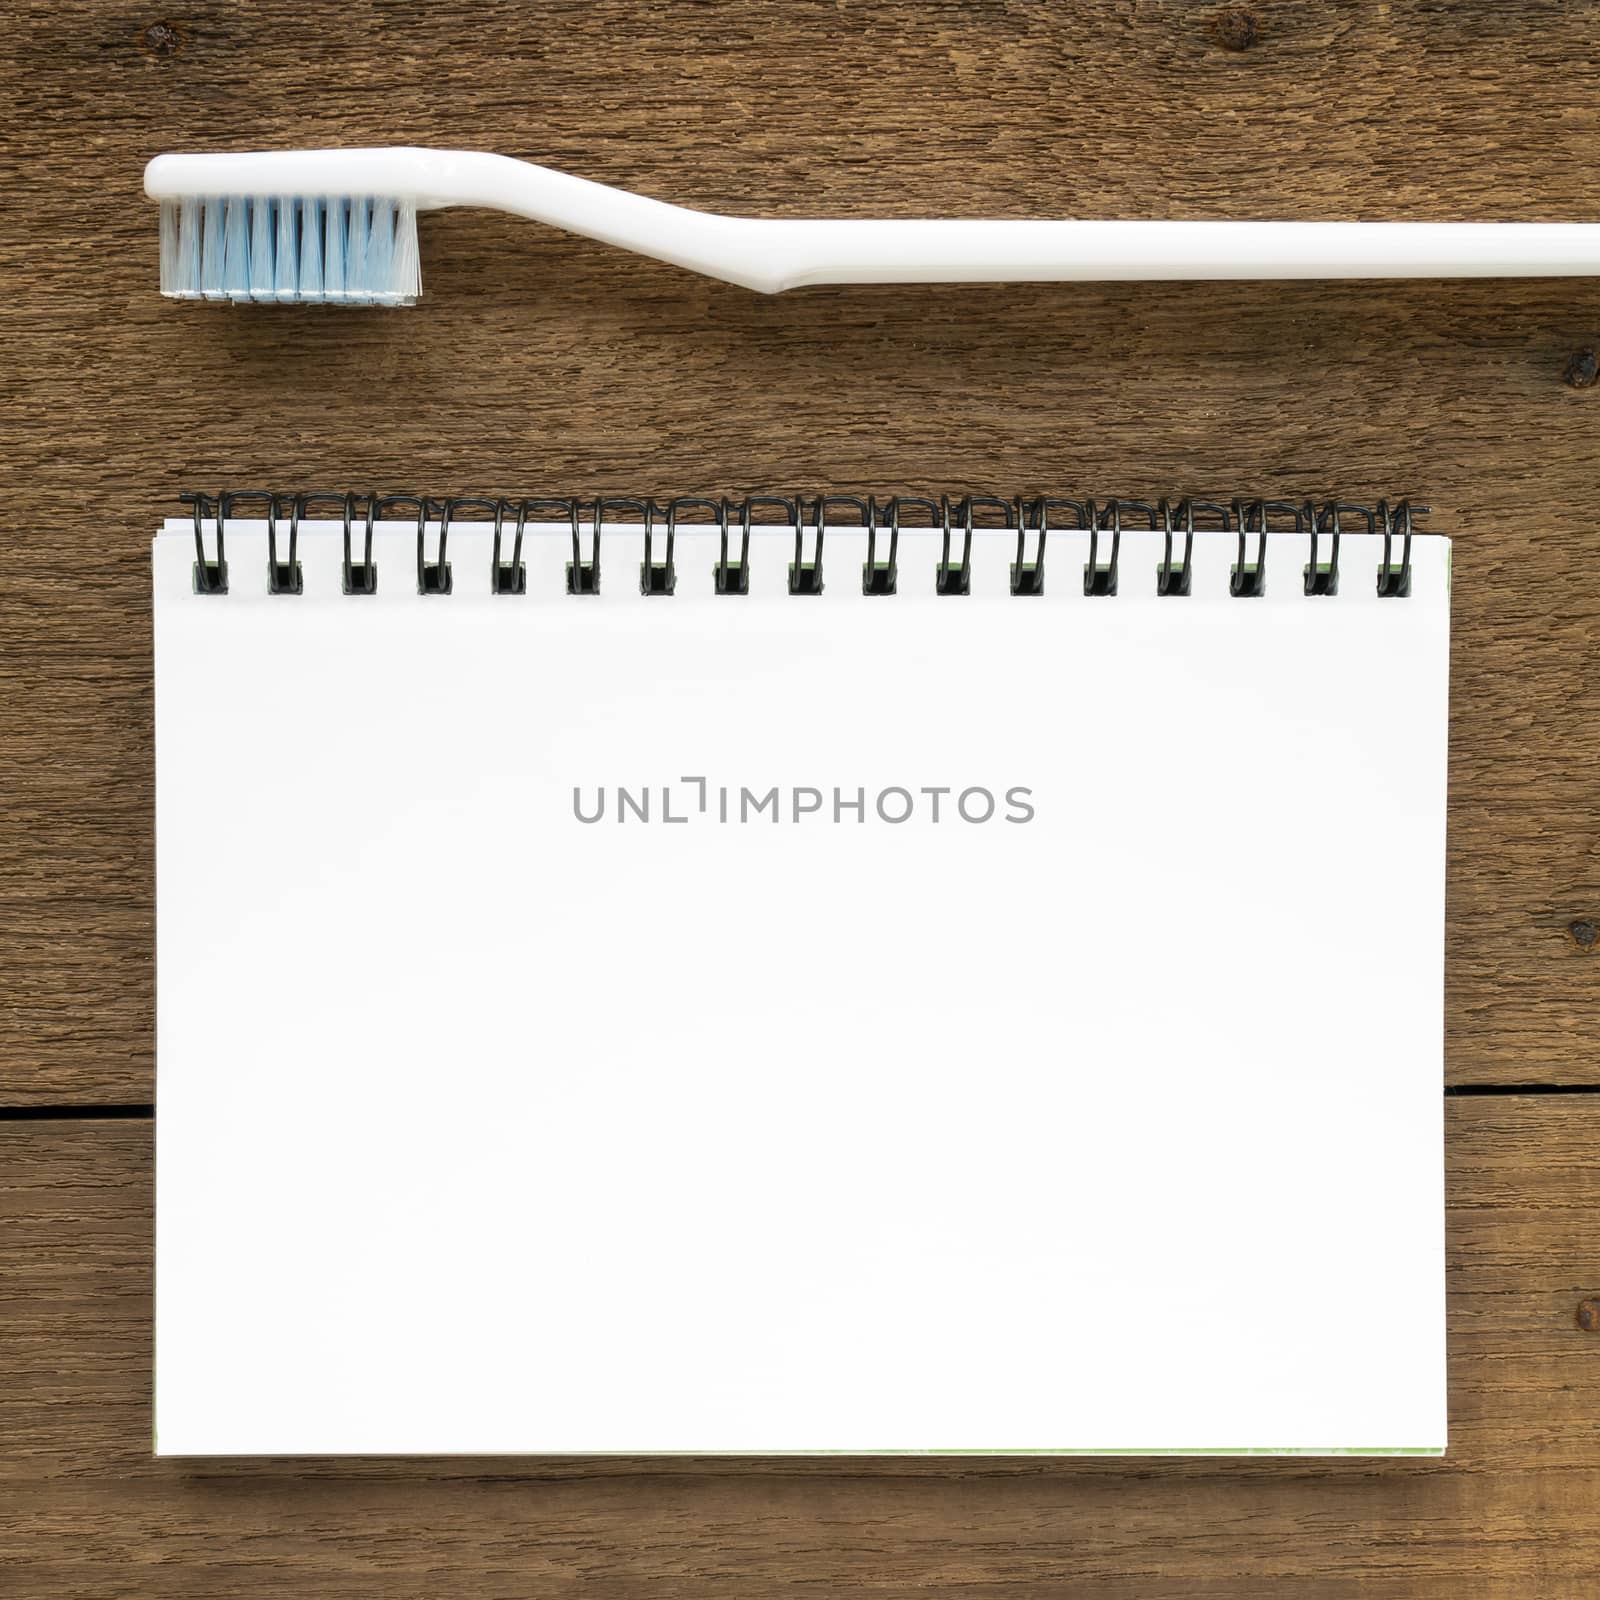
(1044, 1054)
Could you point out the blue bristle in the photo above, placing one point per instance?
(169, 243)
(180, 249)
(313, 219)
(212, 216)
(261, 241)
(341, 250)
(335, 248)
(377, 271)
(186, 267)
(355, 258)
(236, 250)
(285, 250)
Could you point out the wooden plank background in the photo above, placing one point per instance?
(541, 363)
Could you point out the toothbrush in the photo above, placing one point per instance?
(340, 226)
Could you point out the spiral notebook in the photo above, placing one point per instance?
(799, 975)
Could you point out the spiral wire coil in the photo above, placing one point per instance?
(954, 518)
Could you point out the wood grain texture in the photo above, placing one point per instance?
(539, 362)
(86, 1510)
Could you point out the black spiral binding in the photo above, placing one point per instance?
(956, 519)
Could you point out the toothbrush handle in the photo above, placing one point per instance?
(791, 253)
(772, 254)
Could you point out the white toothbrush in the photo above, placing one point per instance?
(341, 226)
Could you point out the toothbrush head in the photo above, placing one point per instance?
(347, 250)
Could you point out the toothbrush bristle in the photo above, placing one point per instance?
(350, 250)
